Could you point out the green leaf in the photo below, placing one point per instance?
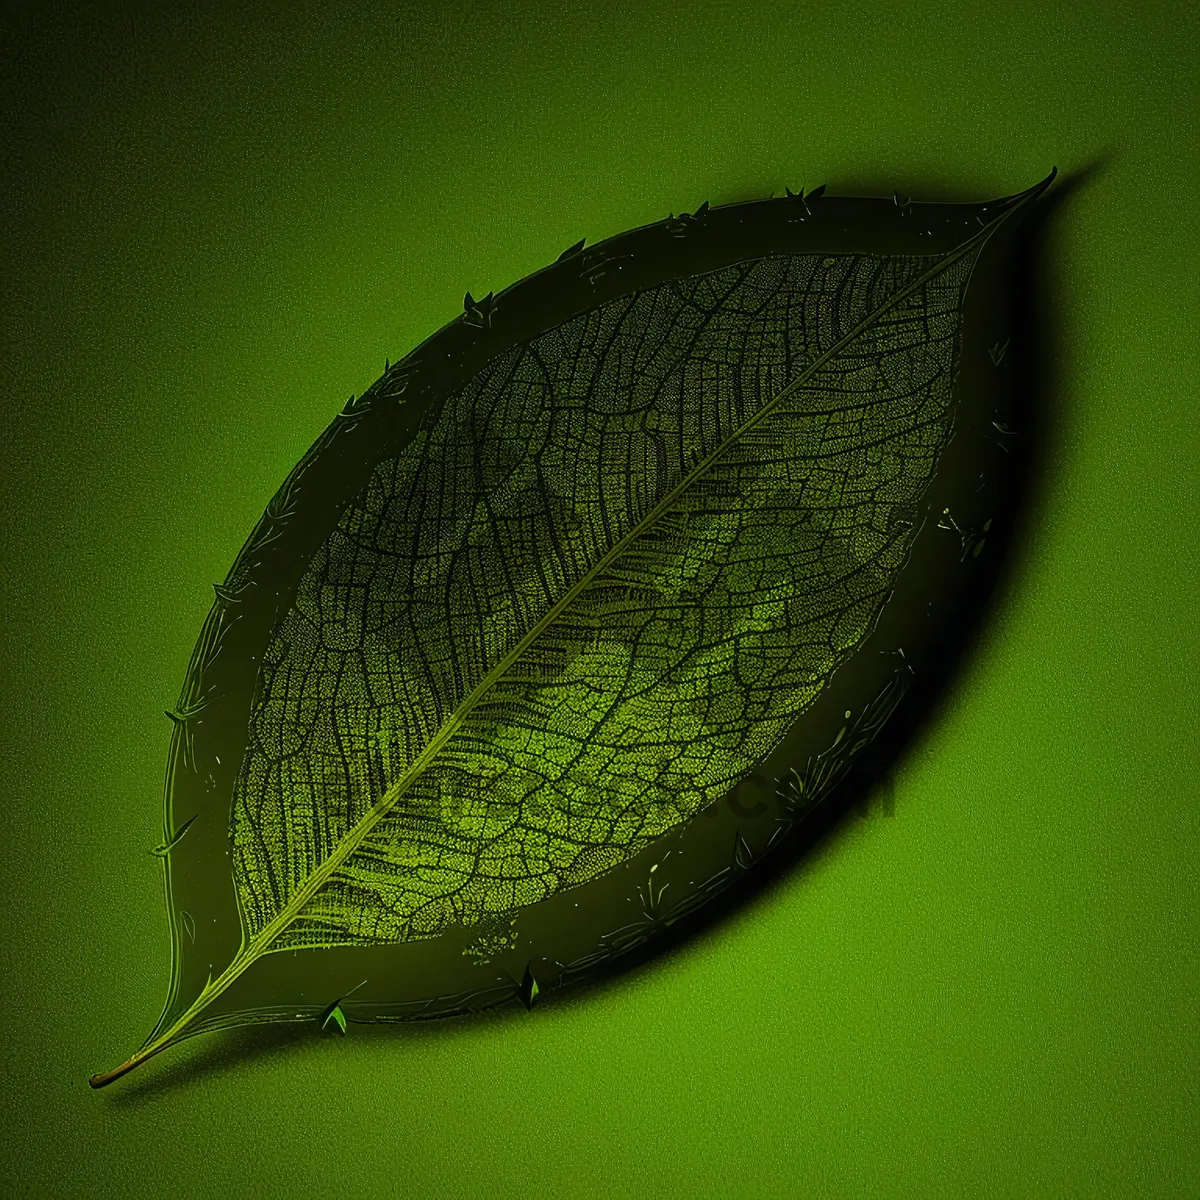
(335, 1015)
(165, 848)
(529, 990)
(609, 544)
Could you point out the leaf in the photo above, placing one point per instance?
(572, 250)
(532, 640)
(165, 848)
(334, 1013)
(529, 990)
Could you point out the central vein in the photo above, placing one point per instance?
(261, 942)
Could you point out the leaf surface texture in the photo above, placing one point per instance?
(592, 592)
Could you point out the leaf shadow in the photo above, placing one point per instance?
(1034, 319)
(1035, 323)
(930, 189)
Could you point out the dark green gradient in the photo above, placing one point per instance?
(217, 224)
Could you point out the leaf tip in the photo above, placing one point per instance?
(570, 251)
(529, 988)
(104, 1078)
(334, 1013)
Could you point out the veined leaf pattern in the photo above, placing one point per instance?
(593, 591)
(620, 542)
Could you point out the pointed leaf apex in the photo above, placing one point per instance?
(335, 1015)
(529, 988)
(162, 850)
(572, 250)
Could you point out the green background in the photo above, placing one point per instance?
(217, 223)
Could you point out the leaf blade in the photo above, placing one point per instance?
(322, 924)
(189, 758)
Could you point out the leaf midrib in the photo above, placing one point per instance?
(317, 879)
(250, 951)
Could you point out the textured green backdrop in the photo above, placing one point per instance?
(218, 222)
